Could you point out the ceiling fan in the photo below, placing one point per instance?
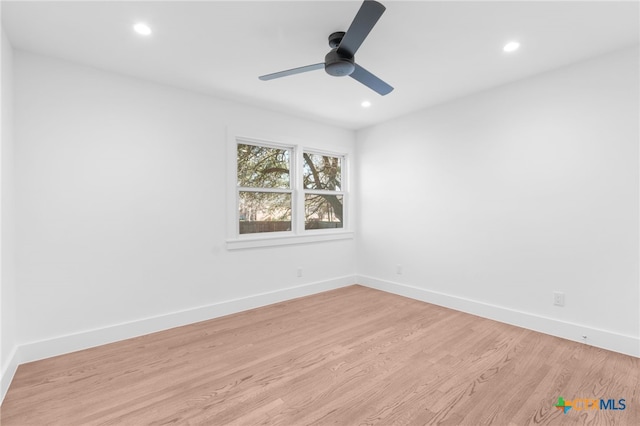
(340, 60)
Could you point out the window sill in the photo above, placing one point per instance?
(284, 240)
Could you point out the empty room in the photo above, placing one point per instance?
(320, 212)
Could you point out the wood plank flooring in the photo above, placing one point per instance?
(352, 356)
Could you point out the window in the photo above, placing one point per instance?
(323, 197)
(287, 191)
(264, 188)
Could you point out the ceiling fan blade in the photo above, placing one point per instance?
(292, 71)
(365, 19)
(371, 81)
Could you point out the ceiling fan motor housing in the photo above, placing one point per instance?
(338, 65)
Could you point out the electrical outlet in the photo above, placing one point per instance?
(558, 298)
(299, 272)
(399, 269)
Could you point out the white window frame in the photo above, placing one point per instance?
(298, 234)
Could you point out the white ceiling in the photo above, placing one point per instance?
(429, 51)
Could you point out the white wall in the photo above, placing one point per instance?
(7, 270)
(492, 202)
(121, 197)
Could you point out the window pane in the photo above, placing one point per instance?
(322, 211)
(264, 212)
(322, 172)
(263, 167)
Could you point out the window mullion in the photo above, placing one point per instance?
(296, 183)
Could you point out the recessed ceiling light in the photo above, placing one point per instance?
(512, 46)
(142, 29)
(365, 104)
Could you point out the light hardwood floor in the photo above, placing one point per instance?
(352, 356)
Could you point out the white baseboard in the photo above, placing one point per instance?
(7, 371)
(60, 345)
(629, 345)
